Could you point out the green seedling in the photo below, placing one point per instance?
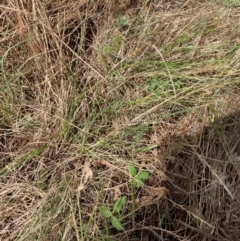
(231, 3)
(138, 177)
(121, 21)
(115, 213)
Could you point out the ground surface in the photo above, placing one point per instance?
(119, 120)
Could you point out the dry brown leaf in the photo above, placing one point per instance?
(115, 174)
(112, 133)
(155, 195)
(144, 201)
(104, 163)
(155, 192)
(198, 214)
(117, 192)
(20, 24)
(77, 164)
(87, 175)
(159, 193)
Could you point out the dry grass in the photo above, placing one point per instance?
(89, 88)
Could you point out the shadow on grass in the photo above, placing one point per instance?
(203, 182)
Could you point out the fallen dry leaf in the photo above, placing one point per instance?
(104, 163)
(198, 214)
(155, 195)
(87, 175)
(117, 193)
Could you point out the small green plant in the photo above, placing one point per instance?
(138, 177)
(162, 87)
(231, 3)
(121, 21)
(115, 213)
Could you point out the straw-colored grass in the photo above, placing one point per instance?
(90, 88)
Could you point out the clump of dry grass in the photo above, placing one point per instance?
(88, 89)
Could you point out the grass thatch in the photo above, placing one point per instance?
(91, 89)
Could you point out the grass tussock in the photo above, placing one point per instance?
(119, 120)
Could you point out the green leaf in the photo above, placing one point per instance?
(116, 223)
(144, 175)
(105, 211)
(121, 21)
(119, 204)
(137, 182)
(232, 3)
(132, 170)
